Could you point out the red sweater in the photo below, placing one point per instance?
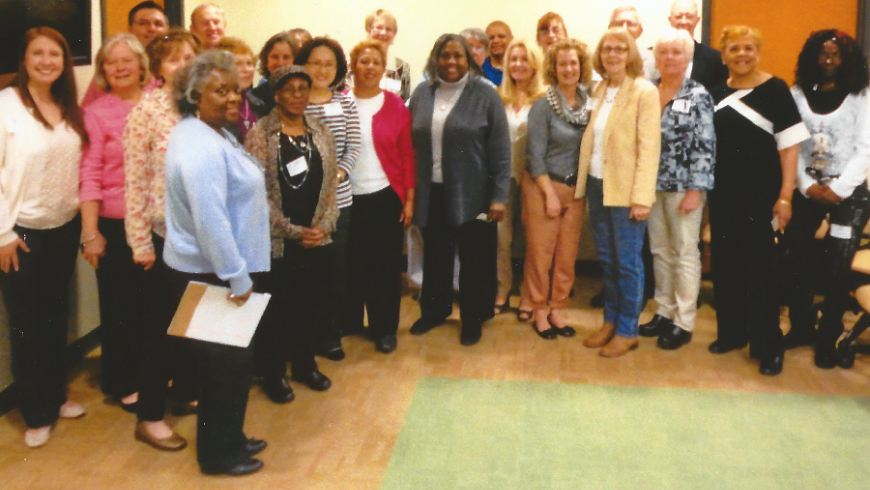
(391, 132)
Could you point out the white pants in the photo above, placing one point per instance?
(673, 239)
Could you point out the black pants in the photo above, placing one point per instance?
(157, 351)
(477, 241)
(374, 278)
(301, 306)
(223, 381)
(799, 241)
(119, 283)
(331, 331)
(744, 257)
(37, 299)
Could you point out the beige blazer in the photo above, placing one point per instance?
(632, 143)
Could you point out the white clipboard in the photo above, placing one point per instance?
(206, 314)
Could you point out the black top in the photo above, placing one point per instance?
(300, 193)
(825, 102)
(751, 126)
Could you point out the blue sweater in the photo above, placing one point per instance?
(217, 216)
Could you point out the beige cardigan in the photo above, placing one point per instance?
(632, 143)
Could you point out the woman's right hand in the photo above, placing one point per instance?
(240, 300)
(9, 254)
(94, 249)
(145, 259)
(552, 205)
(312, 237)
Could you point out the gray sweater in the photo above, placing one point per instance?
(476, 155)
(554, 144)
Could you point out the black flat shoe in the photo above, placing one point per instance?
(254, 446)
(278, 390)
(674, 338)
(655, 327)
(130, 407)
(825, 356)
(244, 468)
(548, 334)
(470, 335)
(720, 347)
(386, 344)
(771, 366)
(313, 379)
(798, 339)
(331, 350)
(565, 331)
(423, 325)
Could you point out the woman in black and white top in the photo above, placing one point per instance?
(832, 97)
(758, 132)
(324, 61)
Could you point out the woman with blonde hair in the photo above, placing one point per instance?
(551, 215)
(619, 160)
(520, 88)
(381, 26)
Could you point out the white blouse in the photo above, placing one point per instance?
(597, 163)
(368, 174)
(446, 96)
(518, 127)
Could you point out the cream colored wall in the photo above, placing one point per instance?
(420, 23)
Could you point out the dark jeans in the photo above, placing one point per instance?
(374, 276)
(799, 241)
(301, 306)
(618, 240)
(477, 241)
(744, 259)
(37, 299)
(223, 381)
(119, 283)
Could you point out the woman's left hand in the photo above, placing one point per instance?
(312, 237)
(782, 210)
(691, 201)
(94, 249)
(638, 212)
(496, 211)
(407, 213)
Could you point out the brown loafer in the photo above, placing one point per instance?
(601, 337)
(618, 346)
(172, 443)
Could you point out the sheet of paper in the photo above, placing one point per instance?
(205, 314)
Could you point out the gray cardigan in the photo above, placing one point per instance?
(476, 157)
(554, 144)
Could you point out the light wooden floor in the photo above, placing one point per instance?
(343, 438)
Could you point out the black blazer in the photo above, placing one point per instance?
(707, 67)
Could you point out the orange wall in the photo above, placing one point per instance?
(784, 25)
(116, 14)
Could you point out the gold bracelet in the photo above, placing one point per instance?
(88, 239)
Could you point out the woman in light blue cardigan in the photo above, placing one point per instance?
(462, 142)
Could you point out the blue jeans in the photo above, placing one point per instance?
(618, 241)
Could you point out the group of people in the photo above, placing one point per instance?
(177, 167)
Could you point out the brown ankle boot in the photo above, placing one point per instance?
(618, 346)
(601, 337)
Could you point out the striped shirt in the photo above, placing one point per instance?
(340, 115)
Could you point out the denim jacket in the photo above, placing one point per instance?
(688, 141)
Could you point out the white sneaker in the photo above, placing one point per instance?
(72, 410)
(37, 437)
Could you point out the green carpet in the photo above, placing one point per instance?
(478, 434)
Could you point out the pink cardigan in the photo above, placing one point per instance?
(391, 133)
(102, 171)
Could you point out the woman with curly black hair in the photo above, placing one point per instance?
(832, 96)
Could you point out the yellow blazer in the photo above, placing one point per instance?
(632, 143)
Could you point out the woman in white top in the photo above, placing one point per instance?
(41, 140)
(519, 89)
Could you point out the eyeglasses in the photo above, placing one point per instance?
(614, 49)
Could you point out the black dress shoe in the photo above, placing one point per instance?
(674, 338)
(130, 407)
(771, 366)
(244, 468)
(721, 347)
(254, 446)
(798, 339)
(331, 350)
(655, 327)
(548, 334)
(423, 325)
(278, 390)
(565, 331)
(470, 335)
(313, 379)
(826, 355)
(386, 344)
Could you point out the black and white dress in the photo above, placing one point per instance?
(752, 126)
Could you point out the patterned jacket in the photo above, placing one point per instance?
(688, 141)
(262, 142)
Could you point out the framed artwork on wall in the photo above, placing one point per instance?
(71, 17)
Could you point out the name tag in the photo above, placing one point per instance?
(298, 166)
(841, 232)
(391, 85)
(682, 106)
(332, 109)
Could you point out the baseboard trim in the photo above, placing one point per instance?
(75, 352)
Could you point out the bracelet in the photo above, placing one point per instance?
(88, 240)
(787, 203)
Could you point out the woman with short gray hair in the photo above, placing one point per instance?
(217, 231)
